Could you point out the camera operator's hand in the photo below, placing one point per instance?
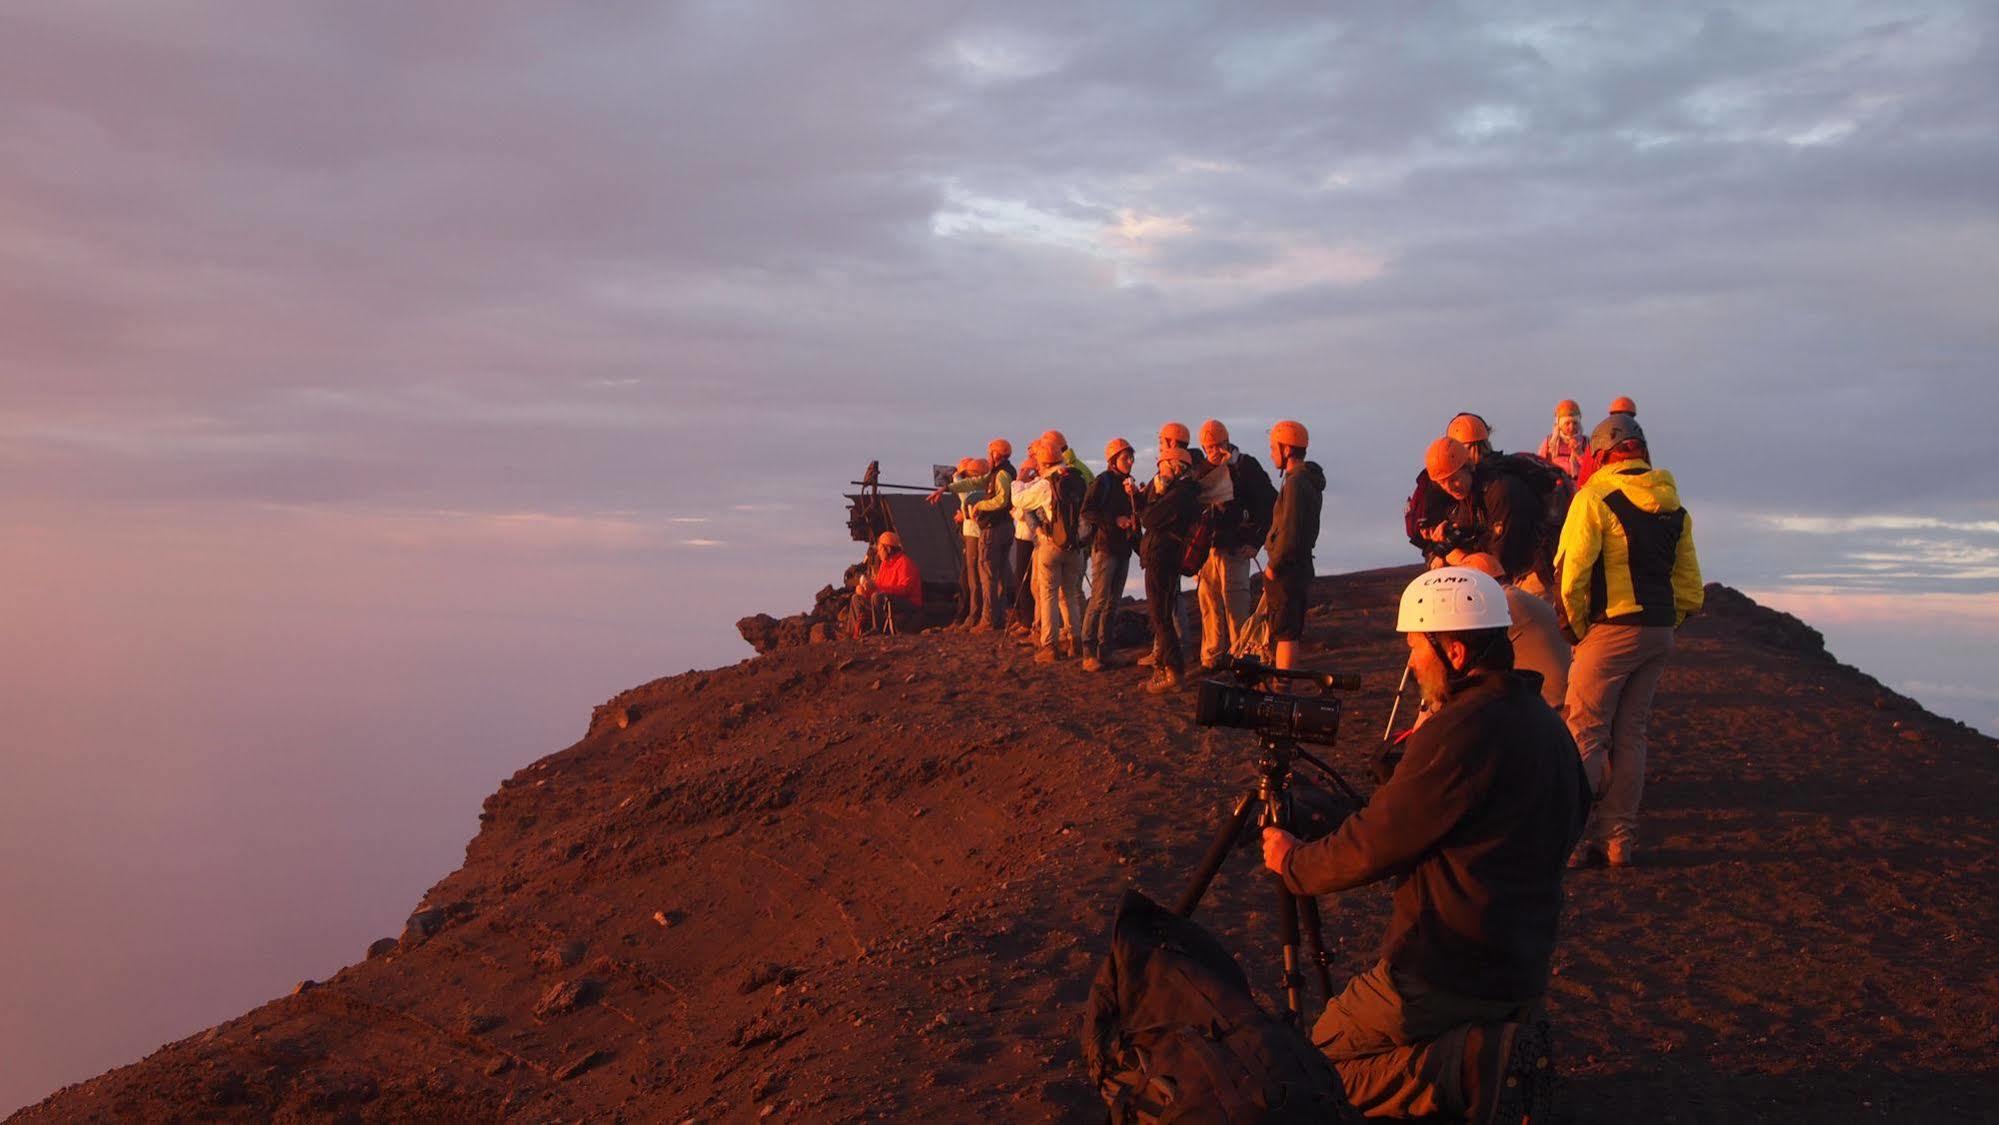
(1277, 845)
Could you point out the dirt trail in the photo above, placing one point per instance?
(870, 879)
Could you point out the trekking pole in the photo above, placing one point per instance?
(1400, 689)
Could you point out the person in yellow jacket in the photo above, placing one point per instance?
(1627, 577)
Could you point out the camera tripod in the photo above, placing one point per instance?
(1270, 802)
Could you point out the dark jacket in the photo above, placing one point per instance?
(1166, 518)
(1103, 505)
(1427, 507)
(1245, 520)
(1294, 523)
(1501, 517)
(1476, 826)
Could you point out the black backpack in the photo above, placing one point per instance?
(1173, 1034)
(1555, 489)
(1066, 530)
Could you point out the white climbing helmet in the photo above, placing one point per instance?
(1453, 599)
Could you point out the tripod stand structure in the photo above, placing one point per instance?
(1270, 802)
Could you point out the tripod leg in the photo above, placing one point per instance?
(1315, 942)
(1287, 929)
(1225, 842)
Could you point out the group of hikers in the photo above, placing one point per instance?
(1032, 532)
(1537, 639)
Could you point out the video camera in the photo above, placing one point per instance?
(1248, 701)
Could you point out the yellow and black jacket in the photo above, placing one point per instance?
(1627, 552)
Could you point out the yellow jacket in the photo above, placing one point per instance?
(1627, 551)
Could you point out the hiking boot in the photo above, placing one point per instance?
(1491, 1078)
(1092, 664)
(1622, 852)
(982, 627)
(1016, 630)
(1070, 648)
(1046, 655)
(1163, 681)
(1586, 855)
(1149, 660)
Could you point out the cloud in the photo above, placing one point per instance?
(385, 259)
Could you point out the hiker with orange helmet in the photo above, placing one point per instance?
(1166, 511)
(1294, 530)
(1110, 527)
(1055, 500)
(1490, 506)
(971, 478)
(993, 510)
(891, 599)
(1428, 507)
(1566, 445)
(1240, 524)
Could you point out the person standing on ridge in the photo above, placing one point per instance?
(1566, 447)
(1174, 435)
(1166, 512)
(993, 511)
(970, 478)
(1472, 827)
(1110, 527)
(1628, 576)
(1241, 523)
(1056, 501)
(1294, 530)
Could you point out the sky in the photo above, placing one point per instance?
(386, 384)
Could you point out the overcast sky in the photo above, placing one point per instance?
(458, 332)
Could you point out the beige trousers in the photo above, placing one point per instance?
(1611, 684)
(1058, 580)
(1222, 589)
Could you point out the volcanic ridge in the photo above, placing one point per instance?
(871, 879)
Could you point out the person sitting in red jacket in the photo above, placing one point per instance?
(892, 598)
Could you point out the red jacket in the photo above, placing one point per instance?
(897, 578)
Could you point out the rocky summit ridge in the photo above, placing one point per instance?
(870, 879)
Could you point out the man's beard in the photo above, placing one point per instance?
(1432, 686)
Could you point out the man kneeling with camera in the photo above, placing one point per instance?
(1476, 826)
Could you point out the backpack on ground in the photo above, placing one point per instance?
(1066, 529)
(1173, 1034)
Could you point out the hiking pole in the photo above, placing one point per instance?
(1399, 690)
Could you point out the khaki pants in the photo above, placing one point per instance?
(1398, 1045)
(1611, 684)
(1222, 588)
(1058, 591)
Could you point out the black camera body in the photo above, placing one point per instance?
(1247, 700)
